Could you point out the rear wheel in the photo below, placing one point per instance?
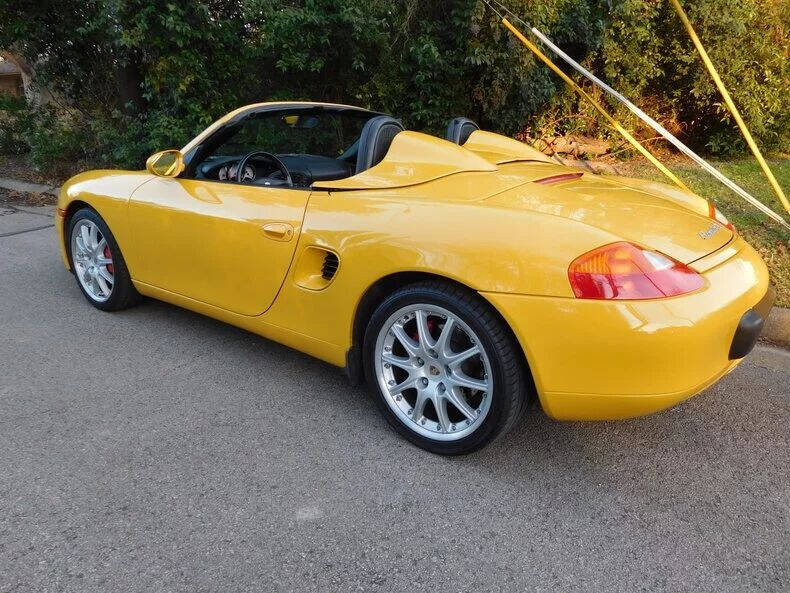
(445, 371)
(98, 264)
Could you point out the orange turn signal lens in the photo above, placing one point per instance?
(625, 271)
(716, 215)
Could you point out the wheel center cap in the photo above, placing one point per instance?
(434, 371)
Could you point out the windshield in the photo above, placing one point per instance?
(320, 133)
(317, 143)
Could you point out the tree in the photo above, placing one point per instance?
(133, 76)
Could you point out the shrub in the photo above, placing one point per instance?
(13, 125)
(136, 76)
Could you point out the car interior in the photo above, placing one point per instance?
(297, 147)
(294, 147)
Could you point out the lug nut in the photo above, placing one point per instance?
(424, 382)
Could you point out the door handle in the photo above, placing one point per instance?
(279, 231)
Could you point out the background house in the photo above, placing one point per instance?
(10, 79)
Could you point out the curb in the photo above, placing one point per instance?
(27, 186)
(777, 326)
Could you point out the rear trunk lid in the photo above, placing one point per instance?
(658, 219)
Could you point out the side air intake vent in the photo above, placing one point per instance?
(329, 268)
(316, 268)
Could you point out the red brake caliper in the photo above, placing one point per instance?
(431, 327)
(107, 254)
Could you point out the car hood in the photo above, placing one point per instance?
(650, 214)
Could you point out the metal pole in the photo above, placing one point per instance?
(647, 119)
(730, 105)
(617, 126)
(661, 130)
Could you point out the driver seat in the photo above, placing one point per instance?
(459, 130)
(375, 140)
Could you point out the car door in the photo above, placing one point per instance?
(226, 244)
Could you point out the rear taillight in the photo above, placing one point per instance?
(716, 215)
(625, 271)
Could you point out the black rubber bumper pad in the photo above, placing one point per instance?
(750, 326)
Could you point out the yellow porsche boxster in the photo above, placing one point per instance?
(460, 277)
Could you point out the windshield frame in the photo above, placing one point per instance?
(212, 139)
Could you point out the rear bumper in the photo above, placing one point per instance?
(604, 360)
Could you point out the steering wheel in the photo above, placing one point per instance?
(267, 156)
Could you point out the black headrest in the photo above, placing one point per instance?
(375, 140)
(460, 129)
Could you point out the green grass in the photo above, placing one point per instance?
(765, 235)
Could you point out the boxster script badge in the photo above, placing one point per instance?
(710, 231)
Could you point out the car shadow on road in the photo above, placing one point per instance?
(597, 451)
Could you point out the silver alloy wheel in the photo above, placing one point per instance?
(92, 260)
(433, 372)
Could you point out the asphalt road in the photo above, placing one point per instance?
(155, 450)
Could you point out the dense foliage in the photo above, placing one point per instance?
(132, 76)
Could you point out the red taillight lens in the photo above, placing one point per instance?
(626, 272)
(716, 215)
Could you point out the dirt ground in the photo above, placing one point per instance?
(8, 196)
(19, 167)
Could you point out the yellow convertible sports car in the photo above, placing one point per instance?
(460, 277)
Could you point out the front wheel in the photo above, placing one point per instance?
(97, 262)
(445, 370)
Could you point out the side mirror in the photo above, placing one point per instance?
(167, 163)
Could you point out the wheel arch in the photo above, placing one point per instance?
(72, 207)
(380, 290)
(105, 192)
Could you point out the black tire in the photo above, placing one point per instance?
(511, 384)
(123, 294)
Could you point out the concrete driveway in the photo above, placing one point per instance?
(155, 450)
